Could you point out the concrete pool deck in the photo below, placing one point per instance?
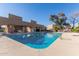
(67, 45)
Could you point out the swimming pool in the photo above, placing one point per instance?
(38, 40)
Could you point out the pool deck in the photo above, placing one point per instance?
(67, 45)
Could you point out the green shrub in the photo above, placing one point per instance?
(75, 29)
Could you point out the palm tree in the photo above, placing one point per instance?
(59, 20)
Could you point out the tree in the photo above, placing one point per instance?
(74, 19)
(59, 20)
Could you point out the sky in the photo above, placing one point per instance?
(39, 12)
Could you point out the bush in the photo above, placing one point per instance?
(75, 29)
(56, 28)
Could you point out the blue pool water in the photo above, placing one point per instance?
(36, 40)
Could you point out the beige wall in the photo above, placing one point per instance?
(29, 29)
(5, 28)
(50, 27)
